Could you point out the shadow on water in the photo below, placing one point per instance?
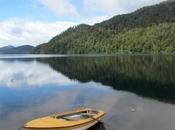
(98, 126)
(147, 76)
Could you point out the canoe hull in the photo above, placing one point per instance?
(56, 124)
(85, 127)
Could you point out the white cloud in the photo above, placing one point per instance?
(61, 7)
(115, 7)
(93, 7)
(19, 32)
(104, 6)
(92, 11)
(96, 19)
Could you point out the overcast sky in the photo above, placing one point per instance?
(36, 21)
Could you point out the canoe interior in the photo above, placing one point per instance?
(78, 116)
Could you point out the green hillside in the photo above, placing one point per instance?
(147, 30)
(154, 39)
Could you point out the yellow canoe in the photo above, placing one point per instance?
(81, 119)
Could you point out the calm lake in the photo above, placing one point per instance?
(36, 86)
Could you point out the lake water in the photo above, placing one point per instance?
(36, 86)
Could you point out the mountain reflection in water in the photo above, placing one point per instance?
(147, 76)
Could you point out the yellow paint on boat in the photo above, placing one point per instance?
(67, 120)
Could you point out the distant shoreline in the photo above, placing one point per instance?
(10, 56)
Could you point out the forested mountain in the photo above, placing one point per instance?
(26, 49)
(148, 30)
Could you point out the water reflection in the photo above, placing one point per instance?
(147, 76)
(20, 74)
(39, 87)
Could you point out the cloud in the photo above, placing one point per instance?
(19, 32)
(61, 7)
(92, 11)
(114, 7)
(96, 19)
(92, 8)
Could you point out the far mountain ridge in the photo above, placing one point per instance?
(24, 49)
(6, 47)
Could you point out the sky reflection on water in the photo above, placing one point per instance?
(30, 89)
(28, 74)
